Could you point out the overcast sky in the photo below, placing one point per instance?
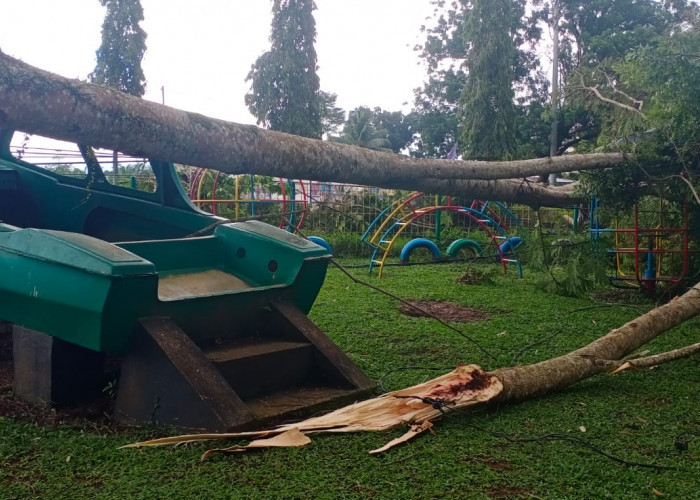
(200, 51)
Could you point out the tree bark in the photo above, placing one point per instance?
(524, 382)
(39, 102)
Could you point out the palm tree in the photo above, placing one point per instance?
(360, 130)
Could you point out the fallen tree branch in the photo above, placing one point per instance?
(525, 382)
(36, 101)
(636, 103)
(465, 386)
(659, 359)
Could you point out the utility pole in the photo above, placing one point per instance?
(555, 86)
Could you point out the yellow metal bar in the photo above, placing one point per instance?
(386, 252)
(236, 196)
(380, 230)
(618, 260)
(200, 186)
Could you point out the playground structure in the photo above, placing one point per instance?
(207, 324)
(492, 218)
(249, 197)
(654, 250)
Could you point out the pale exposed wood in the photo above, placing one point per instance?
(413, 432)
(636, 106)
(465, 386)
(292, 438)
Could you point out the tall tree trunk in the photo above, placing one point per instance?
(36, 101)
(553, 139)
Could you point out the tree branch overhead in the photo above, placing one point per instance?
(36, 101)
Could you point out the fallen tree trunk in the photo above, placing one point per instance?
(36, 101)
(524, 382)
(469, 386)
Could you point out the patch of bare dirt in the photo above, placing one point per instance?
(93, 415)
(473, 277)
(508, 492)
(446, 311)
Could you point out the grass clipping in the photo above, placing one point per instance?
(415, 406)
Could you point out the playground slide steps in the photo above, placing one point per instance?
(246, 365)
(287, 366)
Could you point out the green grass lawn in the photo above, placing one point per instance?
(636, 416)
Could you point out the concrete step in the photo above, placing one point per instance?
(291, 402)
(256, 366)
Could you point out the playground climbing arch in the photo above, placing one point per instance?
(292, 197)
(384, 232)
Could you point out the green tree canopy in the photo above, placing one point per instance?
(462, 44)
(596, 35)
(466, 47)
(435, 111)
(360, 130)
(332, 116)
(598, 30)
(399, 127)
(122, 49)
(487, 107)
(653, 108)
(285, 92)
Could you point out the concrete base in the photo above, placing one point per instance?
(5, 340)
(5, 328)
(50, 371)
(167, 380)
